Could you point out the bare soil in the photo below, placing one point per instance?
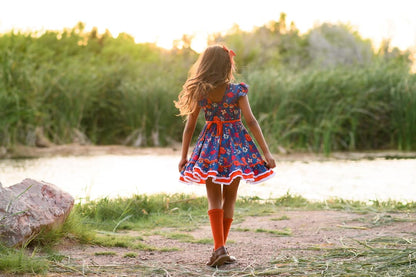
(312, 232)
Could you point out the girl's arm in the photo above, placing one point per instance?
(254, 127)
(188, 131)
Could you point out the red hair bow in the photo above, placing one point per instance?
(230, 52)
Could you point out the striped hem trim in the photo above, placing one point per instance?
(199, 177)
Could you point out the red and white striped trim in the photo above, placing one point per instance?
(199, 177)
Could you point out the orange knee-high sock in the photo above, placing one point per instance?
(216, 219)
(227, 225)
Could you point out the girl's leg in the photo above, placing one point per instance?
(215, 212)
(229, 198)
(214, 195)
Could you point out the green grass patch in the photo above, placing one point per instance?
(191, 212)
(169, 249)
(179, 236)
(116, 240)
(141, 212)
(130, 255)
(55, 257)
(283, 217)
(124, 241)
(207, 241)
(182, 237)
(280, 233)
(298, 202)
(238, 229)
(73, 228)
(105, 253)
(18, 261)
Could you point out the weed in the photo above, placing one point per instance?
(18, 261)
(105, 253)
(283, 217)
(130, 255)
(285, 232)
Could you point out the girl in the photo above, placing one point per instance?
(224, 153)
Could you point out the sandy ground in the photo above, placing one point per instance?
(94, 150)
(255, 251)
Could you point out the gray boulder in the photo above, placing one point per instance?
(28, 208)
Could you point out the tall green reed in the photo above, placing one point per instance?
(106, 88)
(404, 112)
(343, 108)
(117, 92)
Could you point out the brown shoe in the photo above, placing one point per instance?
(218, 257)
(231, 259)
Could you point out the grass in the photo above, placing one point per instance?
(378, 257)
(279, 233)
(19, 261)
(357, 115)
(117, 241)
(126, 241)
(283, 217)
(93, 223)
(105, 253)
(285, 232)
(130, 255)
(183, 237)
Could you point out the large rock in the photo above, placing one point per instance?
(29, 207)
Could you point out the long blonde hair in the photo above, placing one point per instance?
(213, 68)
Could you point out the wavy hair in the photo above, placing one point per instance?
(213, 68)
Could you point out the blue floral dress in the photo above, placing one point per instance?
(225, 150)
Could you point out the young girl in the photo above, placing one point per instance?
(224, 153)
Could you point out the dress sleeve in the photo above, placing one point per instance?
(242, 89)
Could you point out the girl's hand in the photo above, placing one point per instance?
(270, 162)
(182, 164)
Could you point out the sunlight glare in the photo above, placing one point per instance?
(162, 22)
(164, 42)
(199, 43)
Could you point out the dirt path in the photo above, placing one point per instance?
(254, 241)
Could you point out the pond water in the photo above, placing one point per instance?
(123, 175)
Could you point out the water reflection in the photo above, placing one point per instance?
(122, 175)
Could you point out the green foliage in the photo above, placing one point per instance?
(130, 255)
(14, 261)
(330, 45)
(322, 91)
(74, 228)
(139, 206)
(337, 109)
(289, 200)
(75, 81)
(285, 232)
(115, 240)
(184, 237)
(106, 253)
(144, 211)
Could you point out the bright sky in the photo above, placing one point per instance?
(163, 21)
